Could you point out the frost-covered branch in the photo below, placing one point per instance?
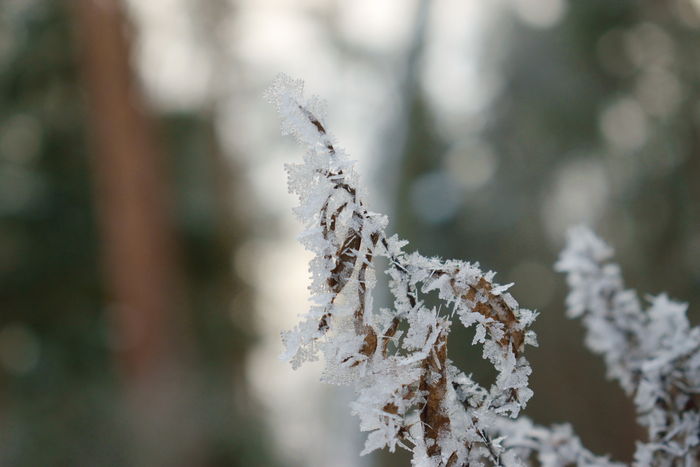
(653, 353)
(557, 446)
(409, 393)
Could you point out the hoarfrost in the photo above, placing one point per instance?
(654, 353)
(409, 394)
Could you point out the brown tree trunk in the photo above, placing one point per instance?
(138, 247)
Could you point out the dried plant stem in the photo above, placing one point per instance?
(409, 393)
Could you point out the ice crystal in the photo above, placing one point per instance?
(653, 353)
(409, 394)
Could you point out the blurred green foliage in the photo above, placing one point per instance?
(61, 402)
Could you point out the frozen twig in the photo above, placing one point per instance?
(653, 353)
(409, 393)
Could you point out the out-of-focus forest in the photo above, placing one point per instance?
(124, 330)
(147, 252)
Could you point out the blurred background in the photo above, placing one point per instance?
(148, 259)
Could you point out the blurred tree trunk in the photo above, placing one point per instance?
(139, 250)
